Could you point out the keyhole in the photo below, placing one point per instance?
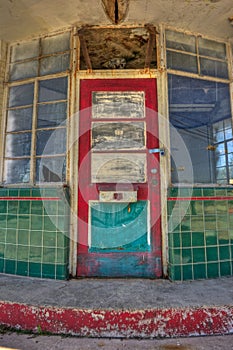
(116, 12)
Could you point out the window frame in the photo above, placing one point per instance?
(228, 60)
(35, 103)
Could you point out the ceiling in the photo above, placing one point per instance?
(22, 19)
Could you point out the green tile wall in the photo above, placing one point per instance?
(34, 233)
(200, 237)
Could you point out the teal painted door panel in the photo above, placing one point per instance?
(119, 227)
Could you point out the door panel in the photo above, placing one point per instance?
(119, 190)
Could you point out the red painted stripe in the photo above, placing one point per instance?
(148, 323)
(30, 198)
(217, 198)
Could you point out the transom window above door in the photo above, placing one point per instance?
(117, 48)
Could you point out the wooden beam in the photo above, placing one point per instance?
(150, 45)
(84, 49)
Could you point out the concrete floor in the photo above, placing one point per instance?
(133, 294)
(20, 341)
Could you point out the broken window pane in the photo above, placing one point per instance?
(51, 169)
(16, 171)
(21, 95)
(54, 44)
(51, 115)
(117, 48)
(24, 51)
(51, 142)
(18, 145)
(19, 119)
(183, 62)
(211, 48)
(54, 64)
(53, 89)
(23, 70)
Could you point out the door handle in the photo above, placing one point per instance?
(157, 150)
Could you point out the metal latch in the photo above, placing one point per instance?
(157, 150)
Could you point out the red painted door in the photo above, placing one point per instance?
(119, 231)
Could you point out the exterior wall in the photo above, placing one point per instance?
(34, 223)
(200, 233)
(34, 231)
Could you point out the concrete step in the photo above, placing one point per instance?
(121, 308)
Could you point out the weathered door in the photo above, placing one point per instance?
(119, 231)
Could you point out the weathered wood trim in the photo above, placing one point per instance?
(150, 45)
(72, 176)
(84, 49)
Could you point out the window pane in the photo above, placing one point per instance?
(180, 41)
(214, 68)
(228, 134)
(16, 171)
(54, 64)
(51, 142)
(218, 126)
(231, 172)
(198, 110)
(219, 136)
(116, 105)
(220, 161)
(230, 158)
(230, 146)
(18, 145)
(118, 136)
(23, 70)
(220, 149)
(228, 124)
(19, 119)
(51, 169)
(211, 48)
(58, 43)
(24, 51)
(183, 62)
(21, 95)
(221, 173)
(51, 115)
(53, 89)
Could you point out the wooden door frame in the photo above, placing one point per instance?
(148, 85)
(161, 77)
